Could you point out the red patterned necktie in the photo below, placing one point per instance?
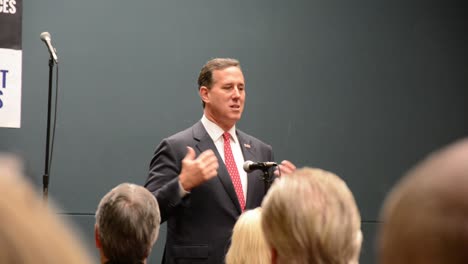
(232, 169)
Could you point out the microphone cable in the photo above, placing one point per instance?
(52, 139)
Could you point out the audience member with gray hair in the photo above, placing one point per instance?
(425, 217)
(310, 216)
(127, 225)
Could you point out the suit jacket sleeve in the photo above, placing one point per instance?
(163, 178)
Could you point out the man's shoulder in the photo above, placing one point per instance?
(194, 131)
(181, 134)
(253, 140)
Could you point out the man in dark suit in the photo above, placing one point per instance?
(200, 208)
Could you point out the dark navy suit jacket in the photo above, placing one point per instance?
(199, 225)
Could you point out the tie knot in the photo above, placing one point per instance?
(226, 136)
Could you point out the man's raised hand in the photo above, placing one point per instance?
(197, 170)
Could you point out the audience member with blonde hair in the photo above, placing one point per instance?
(311, 216)
(425, 217)
(127, 225)
(248, 243)
(30, 231)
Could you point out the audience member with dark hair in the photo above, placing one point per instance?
(30, 230)
(248, 243)
(311, 216)
(127, 225)
(425, 217)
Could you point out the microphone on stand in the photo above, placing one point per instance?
(49, 147)
(45, 36)
(250, 166)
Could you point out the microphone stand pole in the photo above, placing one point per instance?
(45, 177)
(267, 179)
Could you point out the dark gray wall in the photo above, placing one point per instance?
(362, 89)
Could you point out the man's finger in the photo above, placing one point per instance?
(211, 160)
(190, 153)
(212, 166)
(206, 154)
(288, 165)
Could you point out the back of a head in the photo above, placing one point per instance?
(311, 216)
(127, 222)
(30, 232)
(248, 243)
(425, 216)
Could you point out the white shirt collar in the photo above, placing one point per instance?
(215, 131)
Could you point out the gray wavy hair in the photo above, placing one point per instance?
(128, 221)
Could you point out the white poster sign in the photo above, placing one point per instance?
(10, 63)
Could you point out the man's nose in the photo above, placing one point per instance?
(236, 92)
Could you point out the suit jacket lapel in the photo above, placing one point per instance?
(253, 178)
(205, 143)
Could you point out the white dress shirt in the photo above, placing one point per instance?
(216, 134)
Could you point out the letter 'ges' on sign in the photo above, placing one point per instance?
(8, 6)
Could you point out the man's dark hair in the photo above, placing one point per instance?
(206, 74)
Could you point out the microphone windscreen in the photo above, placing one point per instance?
(247, 165)
(45, 36)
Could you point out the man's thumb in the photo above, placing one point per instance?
(190, 153)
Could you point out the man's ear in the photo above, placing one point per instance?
(274, 256)
(204, 92)
(96, 237)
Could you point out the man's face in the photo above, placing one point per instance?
(224, 102)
